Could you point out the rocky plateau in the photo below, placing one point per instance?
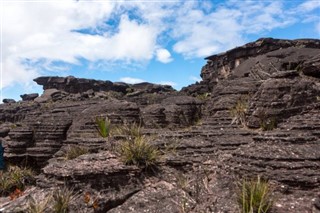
(207, 149)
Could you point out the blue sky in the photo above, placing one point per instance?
(162, 42)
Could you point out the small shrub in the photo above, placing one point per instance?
(15, 178)
(75, 151)
(61, 199)
(139, 152)
(103, 126)
(238, 112)
(255, 196)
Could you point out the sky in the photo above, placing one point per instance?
(158, 41)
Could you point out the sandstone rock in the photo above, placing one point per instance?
(205, 152)
(311, 67)
(8, 101)
(29, 97)
(160, 197)
(50, 95)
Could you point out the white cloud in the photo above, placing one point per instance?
(309, 6)
(163, 56)
(201, 33)
(45, 32)
(130, 80)
(170, 83)
(194, 78)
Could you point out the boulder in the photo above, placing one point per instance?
(29, 97)
(8, 101)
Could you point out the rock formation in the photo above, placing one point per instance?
(256, 112)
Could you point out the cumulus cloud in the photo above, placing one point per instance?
(170, 83)
(163, 56)
(130, 80)
(36, 34)
(194, 78)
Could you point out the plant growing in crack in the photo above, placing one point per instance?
(140, 152)
(239, 110)
(103, 126)
(255, 196)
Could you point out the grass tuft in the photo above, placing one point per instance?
(140, 152)
(238, 112)
(61, 199)
(103, 126)
(130, 131)
(15, 178)
(73, 152)
(255, 196)
(38, 206)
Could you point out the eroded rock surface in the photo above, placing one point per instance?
(273, 83)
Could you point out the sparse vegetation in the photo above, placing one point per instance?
(130, 131)
(238, 112)
(140, 152)
(203, 96)
(61, 199)
(73, 152)
(266, 121)
(103, 126)
(255, 196)
(15, 179)
(38, 206)
(268, 124)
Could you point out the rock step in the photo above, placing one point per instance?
(43, 150)
(291, 138)
(297, 165)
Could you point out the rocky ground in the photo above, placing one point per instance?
(255, 113)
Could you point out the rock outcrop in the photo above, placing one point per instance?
(256, 112)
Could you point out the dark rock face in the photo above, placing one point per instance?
(207, 150)
(29, 97)
(8, 101)
(71, 84)
(286, 96)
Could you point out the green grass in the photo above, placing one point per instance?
(140, 152)
(103, 126)
(255, 196)
(15, 178)
(73, 152)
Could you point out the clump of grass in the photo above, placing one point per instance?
(140, 152)
(73, 152)
(130, 131)
(103, 126)
(61, 199)
(268, 124)
(203, 96)
(255, 196)
(38, 206)
(238, 112)
(15, 178)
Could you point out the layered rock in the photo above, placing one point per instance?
(207, 150)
